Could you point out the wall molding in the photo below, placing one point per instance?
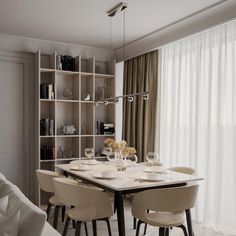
(210, 17)
(32, 45)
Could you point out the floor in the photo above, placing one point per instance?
(102, 228)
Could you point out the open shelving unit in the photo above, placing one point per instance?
(89, 76)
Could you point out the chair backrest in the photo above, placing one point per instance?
(95, 201)
(45, 178)
(184, 170)
(167, 199)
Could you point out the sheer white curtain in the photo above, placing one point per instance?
(198, 121)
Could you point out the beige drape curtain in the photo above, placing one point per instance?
(139, 117)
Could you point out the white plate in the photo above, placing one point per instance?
(78, 168)
(145, 177)
(91, 162)
(154, 170)
(99, 176)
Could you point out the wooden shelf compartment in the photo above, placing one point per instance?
(86, 120)
(69, 146)
(86, 142)
(66, 83)
(48, 62)
(87, 65)
(67, 113)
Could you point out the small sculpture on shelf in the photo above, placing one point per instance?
(87, 97)
(67, 129)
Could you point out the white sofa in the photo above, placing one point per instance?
(32, 219)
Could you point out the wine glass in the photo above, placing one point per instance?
(108, 152)
(89, 152)
(153, 157)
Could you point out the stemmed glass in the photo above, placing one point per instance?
(153, 157)
(108, 152)
(89, 153)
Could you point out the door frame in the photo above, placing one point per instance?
(27, 61)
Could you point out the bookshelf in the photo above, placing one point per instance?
(68, 97)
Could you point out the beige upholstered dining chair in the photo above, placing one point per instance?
(179, 169)
(184, 170)
(167, 207)
(90, 204)
(45, 179)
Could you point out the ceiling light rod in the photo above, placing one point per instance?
(118, 8)
(125, 96)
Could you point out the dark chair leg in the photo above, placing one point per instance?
(63, 211)
(166, 231)
(184, 229)
(134, 222)
(108, 226)
(114, 204)
(77, 228)
(48, 209)
(66, 226)
(94, 227)
(189, 222)
(161, 231)
(145, 229)
(55, 219)
(86, 229)
(138, 227)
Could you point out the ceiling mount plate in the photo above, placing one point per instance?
(117, 9)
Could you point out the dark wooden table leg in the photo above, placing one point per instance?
(120, 213)
(189, 222)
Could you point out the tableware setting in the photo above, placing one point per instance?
(124, 155)
(155, 169)
(91, 162)
(151, 177)
(153, 158)
(79, 167)
(89, 153)
(107, 174)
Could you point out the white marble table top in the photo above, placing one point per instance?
(129, 179)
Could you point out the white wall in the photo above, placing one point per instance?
(119, 106)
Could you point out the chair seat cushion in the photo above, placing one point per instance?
(54, 200)
(165, 219)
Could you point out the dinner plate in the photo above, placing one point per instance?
(100, 176)
(146, 178)
(154, 170)
(91, 162)
(78, 168)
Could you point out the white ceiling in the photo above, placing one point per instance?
(85, 22)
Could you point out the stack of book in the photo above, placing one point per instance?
(105, 128)
(47, 91)
(47, 152)
(109, 129)
(65, 63)
(46, 127)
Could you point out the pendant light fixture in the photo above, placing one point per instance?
(130, 97)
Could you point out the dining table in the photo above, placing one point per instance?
(132, 179)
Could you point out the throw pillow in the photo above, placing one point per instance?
(3, 205)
